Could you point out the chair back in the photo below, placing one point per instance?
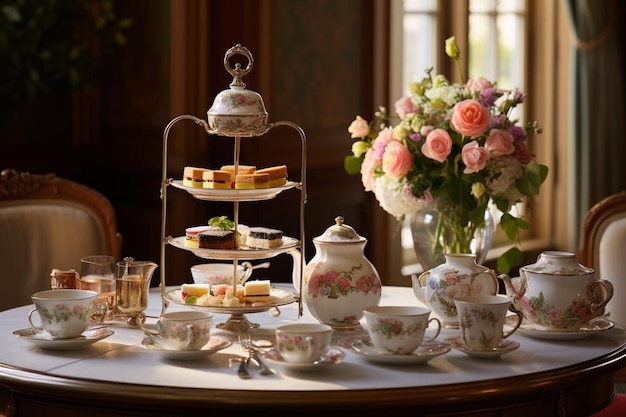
(49, 222)
(604, 248)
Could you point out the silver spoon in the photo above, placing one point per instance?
(263, 368)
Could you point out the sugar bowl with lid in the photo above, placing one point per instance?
(557, 293)
(339, 281)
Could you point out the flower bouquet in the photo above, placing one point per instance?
(455, 146)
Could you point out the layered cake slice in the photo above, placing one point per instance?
(191, 235)
(193, 291)
(257, 291)
(277, 174)
(264, 238)
(252, 181)
(216, 180)
(241, 169)
(216, 238)
(192, 176)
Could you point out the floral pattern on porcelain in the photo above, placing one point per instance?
(538, 311)
(487, 318)
(334, 284)
(453, 285)
(390, 328)
(185, 331)
(287, 343)
(234, 101)
(62, 312)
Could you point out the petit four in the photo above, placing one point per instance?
(216, 238)
(257, 291)
(252, 181)
(264, 238)
(191, 235)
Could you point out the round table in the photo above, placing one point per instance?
(118, 376)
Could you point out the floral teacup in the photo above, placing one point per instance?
(303, 342)
(398, 330)
(64, 313)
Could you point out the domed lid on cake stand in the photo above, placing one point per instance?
(237, 111)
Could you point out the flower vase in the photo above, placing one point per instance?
(437, 230)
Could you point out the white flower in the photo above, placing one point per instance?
(395, 196)
(504, 172)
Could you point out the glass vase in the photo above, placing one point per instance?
(441, 229)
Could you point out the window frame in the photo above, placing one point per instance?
(546, 57)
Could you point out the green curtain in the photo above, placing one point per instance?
(598, 126)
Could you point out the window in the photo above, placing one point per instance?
(495, 35)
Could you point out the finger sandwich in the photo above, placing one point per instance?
(216, 180)
(252, 181)
(192, 177)
(277, 175)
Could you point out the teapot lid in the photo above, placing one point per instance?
(340, 233)
(558, 263)
(237, 111)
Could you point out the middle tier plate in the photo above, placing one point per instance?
(241, 253)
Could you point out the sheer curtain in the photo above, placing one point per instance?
(598, 127)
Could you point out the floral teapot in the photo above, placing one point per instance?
(557, 293)
(459, 276)
(339, 282)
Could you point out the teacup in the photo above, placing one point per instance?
(220, 273)
(183, 330)
(64, 313)
(303, 342)
(481, 320)
(398, 330)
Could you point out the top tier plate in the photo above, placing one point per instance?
(211, 194)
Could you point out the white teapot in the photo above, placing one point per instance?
(339, 282)
(557, 293)
(460, 275)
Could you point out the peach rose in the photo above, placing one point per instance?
(397, 159)
(359, 128)
(474, 157)
(499, 143)
(438, 145)
(470, 118)
(404, 106)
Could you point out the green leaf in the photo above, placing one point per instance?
(222, 222)
(509, 226)
(191, 300)
(509, 259)
(352, 164)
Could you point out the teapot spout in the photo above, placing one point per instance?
(514, 289)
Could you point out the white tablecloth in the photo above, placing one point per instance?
(121, 357)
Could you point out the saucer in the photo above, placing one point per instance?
(332, 357)
(506, 346)
(428, 350)
(536, 332)
(214, 344)
(42, 340)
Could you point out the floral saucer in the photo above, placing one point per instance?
(364, 347)
(506, 346)
(41, 339)
(215, 344)
(332, 357)
(536, 332)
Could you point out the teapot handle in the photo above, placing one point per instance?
(598, 303)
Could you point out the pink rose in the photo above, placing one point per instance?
(397, 159)
(499, 143)
(470, 118)
(405, 106)
(426, 129)
(370, 162)
(438, 145)
(478, 84)
(474, 157)
(359, 128)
